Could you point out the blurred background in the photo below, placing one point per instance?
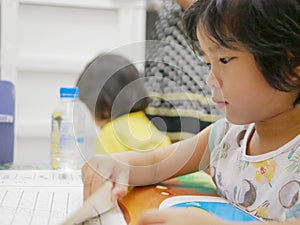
(45, 44)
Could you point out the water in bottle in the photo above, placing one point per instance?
(67, 133)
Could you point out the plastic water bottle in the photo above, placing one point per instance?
(67, 132)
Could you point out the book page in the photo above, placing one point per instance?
(98, 209)
(216, 206)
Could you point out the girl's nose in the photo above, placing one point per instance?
(212, 81)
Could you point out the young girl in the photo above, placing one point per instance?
(253, 49)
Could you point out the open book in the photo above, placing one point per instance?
(51, 197)
(215, 205)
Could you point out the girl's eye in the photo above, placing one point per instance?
(225, 60)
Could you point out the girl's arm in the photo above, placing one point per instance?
(177, 159)
(145, 167)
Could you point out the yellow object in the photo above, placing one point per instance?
(55, 139)
(133, 131)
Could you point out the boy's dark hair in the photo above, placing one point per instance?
(269, 29)
(111, 86)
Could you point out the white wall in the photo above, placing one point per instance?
(46, 43)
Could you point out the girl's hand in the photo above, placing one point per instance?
(105, 167)
(190, 216)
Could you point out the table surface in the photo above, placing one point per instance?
(140, 199)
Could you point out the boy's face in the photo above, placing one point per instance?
(238, 87)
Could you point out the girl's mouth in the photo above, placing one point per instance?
(219, 103)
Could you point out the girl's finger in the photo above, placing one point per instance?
(118, 191)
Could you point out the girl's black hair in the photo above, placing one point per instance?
(111, 86)
(269, 29)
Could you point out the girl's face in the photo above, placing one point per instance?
(238, 87)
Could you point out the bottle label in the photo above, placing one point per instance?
(67, 136)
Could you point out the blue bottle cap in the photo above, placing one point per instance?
(69, 92)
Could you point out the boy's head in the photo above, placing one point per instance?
(111, 86)
(268, 29)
